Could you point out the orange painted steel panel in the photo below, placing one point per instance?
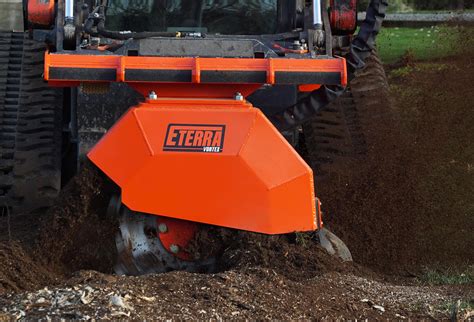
(195, 65)
(251, 179)
(193, 90)
(179, 232)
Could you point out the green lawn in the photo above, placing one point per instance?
(441, 11)
(432, 11)
(421, 43)
(449, 277)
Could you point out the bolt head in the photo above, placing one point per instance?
(162, 228)
(174, 248)
(152, 96)
(239, 97)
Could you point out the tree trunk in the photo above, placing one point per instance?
(460, 5)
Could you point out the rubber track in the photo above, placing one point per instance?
(30, 127)
(339, 133)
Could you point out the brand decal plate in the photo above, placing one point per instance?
(206, 138)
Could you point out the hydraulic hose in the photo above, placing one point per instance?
(360, 49)
(124, 35)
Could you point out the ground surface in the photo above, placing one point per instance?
(406, 210)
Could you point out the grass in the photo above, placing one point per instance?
(405, 71)
(462, 310)
(419, 43)
(436, 11)
(449, 277)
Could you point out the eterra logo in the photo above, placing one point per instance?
(194, 138)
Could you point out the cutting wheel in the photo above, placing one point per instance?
(149, 244)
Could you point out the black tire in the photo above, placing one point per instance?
(339, 134)
(30, 128)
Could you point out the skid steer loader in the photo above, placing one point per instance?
(226, 89)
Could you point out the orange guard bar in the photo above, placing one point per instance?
(192, 76)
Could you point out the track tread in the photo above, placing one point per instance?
(30, 127)
(339, 133)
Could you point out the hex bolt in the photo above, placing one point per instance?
(174, 248)
(153, 95)
(239, 97)
(162, 228)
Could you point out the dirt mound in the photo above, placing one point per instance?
(19, 271)
(72, 235)
(409, 203)
(76, 234)
(295, 256)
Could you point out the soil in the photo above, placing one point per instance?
(19, 271)
(406, 207)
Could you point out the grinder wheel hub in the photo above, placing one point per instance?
(149, 244)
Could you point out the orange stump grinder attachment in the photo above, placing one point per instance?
(197, 152)
(218, 162)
